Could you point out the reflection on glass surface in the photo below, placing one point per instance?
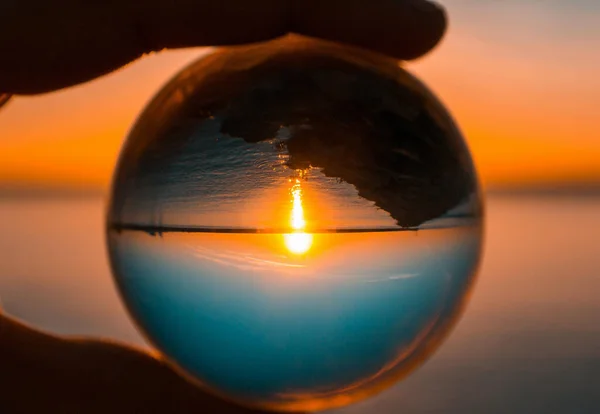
(295, 224)
(299, 241)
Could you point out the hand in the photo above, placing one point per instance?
(48, 45)
(40, 373)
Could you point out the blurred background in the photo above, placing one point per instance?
(521, 79)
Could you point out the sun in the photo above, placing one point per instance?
(298, 242)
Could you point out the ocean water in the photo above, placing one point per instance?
(263, 324)
(529, 341)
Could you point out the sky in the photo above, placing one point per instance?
(520, 78)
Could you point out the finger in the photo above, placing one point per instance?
(80, 376)
(46, 45)
(49, 45)
(404, 29)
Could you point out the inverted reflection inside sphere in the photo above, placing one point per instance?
(295, 224)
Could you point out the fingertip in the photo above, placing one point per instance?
(435, 24)
(403, 29)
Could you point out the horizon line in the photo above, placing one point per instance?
(566, 188)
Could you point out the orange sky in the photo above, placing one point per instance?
(520, 78)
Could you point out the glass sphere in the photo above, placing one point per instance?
(295, 224)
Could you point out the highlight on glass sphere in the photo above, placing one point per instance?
(295, 224)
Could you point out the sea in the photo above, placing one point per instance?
(528, 343)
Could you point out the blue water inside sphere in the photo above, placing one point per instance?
(295, 224)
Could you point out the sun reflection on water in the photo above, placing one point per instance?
(298, 242)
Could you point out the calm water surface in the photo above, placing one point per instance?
(251, 318)
(528, 343)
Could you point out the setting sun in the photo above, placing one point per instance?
(298, 242)
(297, 219)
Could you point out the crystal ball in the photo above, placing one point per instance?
(295, 225)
